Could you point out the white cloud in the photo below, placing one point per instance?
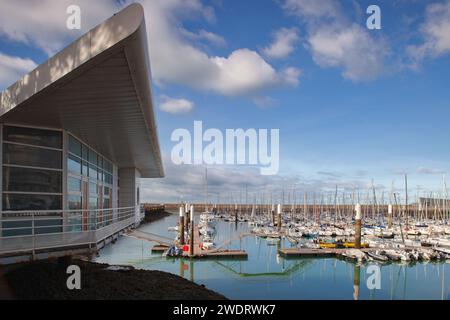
(229, 183)
(43, 23)
(435, 32)
(246, 72)
(175, 106)
(175, 60)
(425, 170)
(204, 35)
(335, 42)
(283, 44)
(312, 9)
(12, 68)
(351, 49)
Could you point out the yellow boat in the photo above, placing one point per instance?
(326, 245)
(352, 245)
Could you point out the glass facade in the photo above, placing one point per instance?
(33, 180)
(89, 186)
(32, 176)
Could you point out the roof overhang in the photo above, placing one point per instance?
(99, 89)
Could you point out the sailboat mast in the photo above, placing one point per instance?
(206, 189)
(406, 199)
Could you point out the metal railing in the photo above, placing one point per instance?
(24, 231)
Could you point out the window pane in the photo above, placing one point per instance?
(108, 178)
(74, 164)
(30, 156)
(31, 180)
(74, 220)
(17, 228)
(93, 188)
(92, 171)
(48, 226)
(74, 202)
(106, 191)
(106, 204)
(73, 184)
(31, 202)
(85, 169)
(108, 166)
(38, 137)
(23, 228)
(93, 203)
(74, 146)
(85, 152)
(92, 157)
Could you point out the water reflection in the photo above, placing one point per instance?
(356, 282)
(266, 275)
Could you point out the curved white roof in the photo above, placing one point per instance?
(99, 89)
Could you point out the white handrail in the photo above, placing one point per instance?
(85, 227)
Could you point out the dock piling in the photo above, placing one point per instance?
(182, 225)
(191, 240)
(358, 226)
(187, 215)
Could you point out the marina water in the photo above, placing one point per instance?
(266, 275)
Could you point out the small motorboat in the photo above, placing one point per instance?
(208, 245)
(444, 252)
(173, 251)
(354, 254)
(392, 255)
(377, 255)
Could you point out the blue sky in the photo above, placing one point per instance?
(351, 103)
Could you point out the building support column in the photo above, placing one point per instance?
(129, 191)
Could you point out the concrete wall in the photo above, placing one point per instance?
(130, 189)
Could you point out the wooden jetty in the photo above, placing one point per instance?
(163, 244)
(164, 241)
(312, 252)
(221, 254)
(199, 253)
(160, 248)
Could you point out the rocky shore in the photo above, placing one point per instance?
(46, 280)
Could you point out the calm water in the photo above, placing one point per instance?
(264, 275)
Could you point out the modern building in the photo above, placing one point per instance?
(77, 135)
